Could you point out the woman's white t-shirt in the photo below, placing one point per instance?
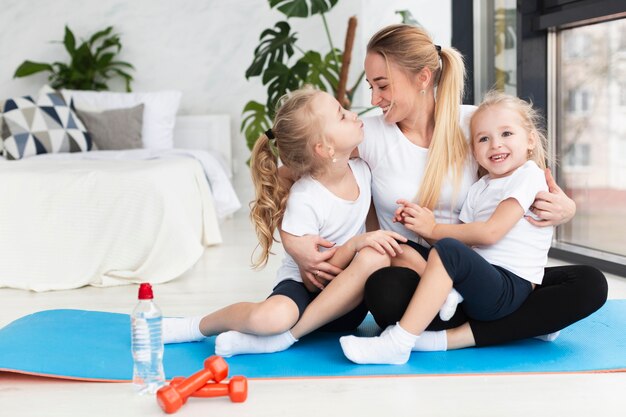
(398, 166)
(314, 210)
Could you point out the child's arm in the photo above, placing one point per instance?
(384, 241)
(422, 221)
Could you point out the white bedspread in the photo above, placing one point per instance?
(67, 222)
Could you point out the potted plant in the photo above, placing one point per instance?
(283, 66)
(282, 70)
(92, 63)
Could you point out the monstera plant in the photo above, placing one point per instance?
(92, 63)
(283, 66)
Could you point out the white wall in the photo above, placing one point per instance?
(201, 47)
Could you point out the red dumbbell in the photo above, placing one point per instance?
(236, 389)
(171, 398)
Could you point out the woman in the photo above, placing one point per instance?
(418, 150)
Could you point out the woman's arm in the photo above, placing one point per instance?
(422, 221)
(553, 207)
(313, 263)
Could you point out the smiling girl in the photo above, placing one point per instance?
(488, 259)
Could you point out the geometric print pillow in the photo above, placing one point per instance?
(46, 125)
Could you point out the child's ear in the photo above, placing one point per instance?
(324, 151)
(532, 140)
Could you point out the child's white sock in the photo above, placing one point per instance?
(550, 337)
(429, 341)
(449, 306)
(182, 329)
(236, 343)
(392, 347)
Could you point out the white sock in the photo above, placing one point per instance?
(393, 347)
(449, 306)
(233, 342)
(182, 329)
(429, 341)
(550, 337)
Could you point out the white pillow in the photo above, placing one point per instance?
(159, 115)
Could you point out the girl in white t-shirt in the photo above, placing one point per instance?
(499, 269)
(313, 136)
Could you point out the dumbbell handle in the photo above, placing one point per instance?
(197, 380)
(236, 389)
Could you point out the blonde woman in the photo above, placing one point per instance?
(418, 150)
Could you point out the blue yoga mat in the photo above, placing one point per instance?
(92, 345)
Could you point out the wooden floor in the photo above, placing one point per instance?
(221, 277)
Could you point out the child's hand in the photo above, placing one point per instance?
(419, 220)
(383, 241)
(398, 216)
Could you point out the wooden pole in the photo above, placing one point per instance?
(345, 63)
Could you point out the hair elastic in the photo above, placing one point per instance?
(269, 134)
(438, 48)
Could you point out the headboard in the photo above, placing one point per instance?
(206, 132)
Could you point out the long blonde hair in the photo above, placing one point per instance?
(412, 49)
(531, 122)
(297, 129)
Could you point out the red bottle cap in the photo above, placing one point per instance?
(145, 291)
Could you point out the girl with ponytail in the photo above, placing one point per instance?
(313, 137)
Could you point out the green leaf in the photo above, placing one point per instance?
(281, 79)
(407, 18)
(113, 41)
(105, 60)
(127, 77)
(255, 122)
(100, 34)
(321, 73)
(69, 41)
(27, 68)
(302, 8)
(276, 45)
(122, 64)
(83, 60)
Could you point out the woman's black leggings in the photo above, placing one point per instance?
(567, 294)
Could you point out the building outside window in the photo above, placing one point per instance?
(591, 133)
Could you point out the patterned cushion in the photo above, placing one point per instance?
(45, 125)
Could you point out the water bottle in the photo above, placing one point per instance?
(147, 343)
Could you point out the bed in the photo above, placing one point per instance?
(114, 217)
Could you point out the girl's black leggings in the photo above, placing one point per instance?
(567, 294)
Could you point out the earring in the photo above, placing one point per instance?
(530, 153)
(422, 92)
(334, 160)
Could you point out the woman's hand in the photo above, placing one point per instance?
(553, 207)
(383, 241)
(312, 262)
(419, 220)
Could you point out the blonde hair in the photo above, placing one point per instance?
(412, 49)
(297, 129)
(531, 122)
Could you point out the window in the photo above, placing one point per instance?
(577, 45)
(577, 101)
(590, 131)
(579, 154)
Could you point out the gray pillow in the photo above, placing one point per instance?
(114, 129)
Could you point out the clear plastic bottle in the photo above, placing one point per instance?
(147, 343)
